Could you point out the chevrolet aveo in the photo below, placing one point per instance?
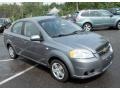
(60, 45)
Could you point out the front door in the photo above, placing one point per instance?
(35, 50)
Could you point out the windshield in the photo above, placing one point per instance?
(117, 11)
(106, 13)
(55, 27)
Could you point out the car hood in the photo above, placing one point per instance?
(86, 40)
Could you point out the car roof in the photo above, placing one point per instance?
(115, 8)
(93, 10)
(4, 18)
(38, 18)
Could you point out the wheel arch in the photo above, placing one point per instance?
(87, 22)
(117, 22)
(63, 58)
(9, 43)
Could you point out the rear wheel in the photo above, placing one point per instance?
(12, 52)
(118, 25)
(87, 27)
(59, 70)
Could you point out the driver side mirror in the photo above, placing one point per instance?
(35, 38)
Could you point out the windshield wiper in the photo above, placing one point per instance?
(76, 32)
(60, 35)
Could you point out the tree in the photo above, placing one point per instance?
(27, 9)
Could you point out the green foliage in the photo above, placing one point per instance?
(29, 9)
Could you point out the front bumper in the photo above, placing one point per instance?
(85, 69)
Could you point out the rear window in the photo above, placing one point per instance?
(94, 13)
(85, 13)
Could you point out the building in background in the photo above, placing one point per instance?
(53, 11)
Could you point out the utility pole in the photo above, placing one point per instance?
(21, 8)
(77, 6)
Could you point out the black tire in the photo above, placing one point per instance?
(118, 25)
(89, 27)
(1, 30)
(14, 56)
(66, 73)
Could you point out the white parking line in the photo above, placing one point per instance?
(6, 60)
(17, 74)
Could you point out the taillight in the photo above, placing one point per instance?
(77, 19)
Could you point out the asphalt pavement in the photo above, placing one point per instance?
(23, 73)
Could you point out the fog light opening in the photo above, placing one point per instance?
(85, 73)
(92, 71)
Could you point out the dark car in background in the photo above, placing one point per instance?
(4, 24)
(60, 45)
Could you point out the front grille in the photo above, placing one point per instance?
(103, 49)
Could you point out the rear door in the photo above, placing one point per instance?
(16, 36)
(96, 18)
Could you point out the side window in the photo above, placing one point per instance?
(85, 13)
(94, 13)
(30, 29)
(17, 28)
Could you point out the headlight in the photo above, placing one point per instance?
(111, 48)
(81, 53)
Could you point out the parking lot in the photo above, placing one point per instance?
(25, 73)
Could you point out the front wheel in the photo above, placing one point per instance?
(59, 70)
(118, 25)
(87, 27)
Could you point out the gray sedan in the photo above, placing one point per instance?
(59, 45)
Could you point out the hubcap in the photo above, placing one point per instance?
(11, 51)
(58, 71)
(87, 27)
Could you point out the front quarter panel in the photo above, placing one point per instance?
(115, 20)
(62, 56)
